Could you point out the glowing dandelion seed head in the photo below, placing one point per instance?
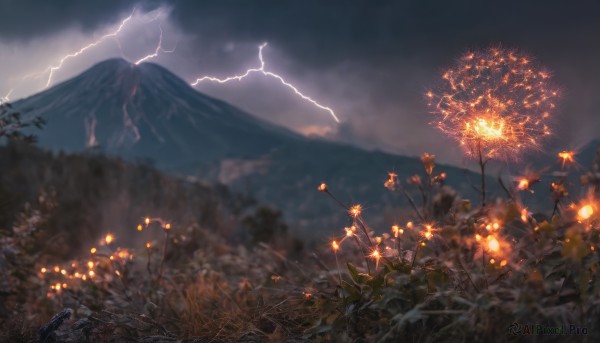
(496, 101)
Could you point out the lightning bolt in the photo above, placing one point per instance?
(113, 34)
(6, 98)
(266, 73)
(157, 50)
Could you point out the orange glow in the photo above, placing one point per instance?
(91, 273)
(335, 246)
(140, 227)
(168, 226)
(585, 212)
(567, 157)
(322, 187)
(93, 250)
(492, 103)
(396, 230)
(350, 231)
(428, 231)
(109, 238)
(493, 244)
(391, 182)
(147, 220)
(148, 245)
(56, 269)
(523, 184)
(376, 255)
(355, 211)
(90, 264)
(524, 215)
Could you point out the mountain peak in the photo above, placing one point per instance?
(146, 110)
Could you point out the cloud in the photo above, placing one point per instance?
(23, 20)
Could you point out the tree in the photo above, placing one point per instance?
(12, 125)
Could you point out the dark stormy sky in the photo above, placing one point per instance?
(370, 61)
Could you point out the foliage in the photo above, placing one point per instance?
(456, 272)
(470, 273)
(12, 125)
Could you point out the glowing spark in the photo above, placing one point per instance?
(93, 250)
(113, 34)
(44, 270)
(524, 215)
(140, 227)
(377, 256)
(396, 230)
(391, 182)
(493, 244)
(156, 51)
(350, 231)
(147, 220)
(266, 73)
(355, 211)
(523, 184)
(335, 246)
(428, 231)
(148, 245)
(322, 187)
(494, 102)
(567, 157)
(585, 212)
(109, 238)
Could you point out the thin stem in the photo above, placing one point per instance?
(337, 200)
(337, 264)
(483, 265)
(364, 253)
(412, 265)
(482, 167)
(162, 261)
(466, 272)
(149, 251)
(412, 204)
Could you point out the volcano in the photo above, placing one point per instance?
(146, 112)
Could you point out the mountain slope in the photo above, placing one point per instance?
(147, 112)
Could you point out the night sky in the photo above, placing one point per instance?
(370, 61)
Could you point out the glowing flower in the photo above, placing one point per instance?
(567, 157)
(494, 103)
(355, 211)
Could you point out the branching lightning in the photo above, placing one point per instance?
(157, 50)
(267, 73)
(113, 34)
(50, 71)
